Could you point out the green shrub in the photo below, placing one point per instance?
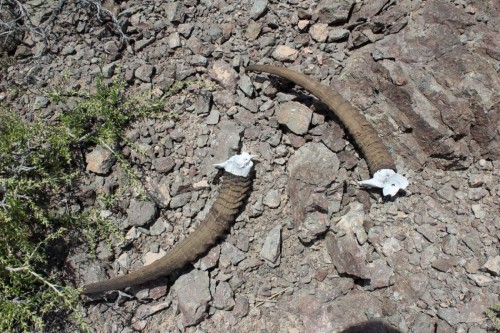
(39, 163)
(493, 314)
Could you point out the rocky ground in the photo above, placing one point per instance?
(311, 252)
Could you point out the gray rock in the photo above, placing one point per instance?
(426, 256)
(185, 29)
(318, 119)
(450, 245)
(174, 40)
(124, 261)
(244, 118)
(202, 103)
(197, 46)
(271, 249)
(103, 252)
(473, 311)
(164, 190)
(234, 254)
(380, 274)
(357, 39)
(177, 135)
(478, 210)
(213, 117)
(164, 164)
(40, 102)
(481, 280)
(225, 145)
(223, 297)
(158, 227)
(272, 199)
(108, 70)
(100, 160)
(450, 315)
(112, 47)
(146, 310)
(223, 73)
(68, 49)
(334, 203)
(312, 166)
(144, 73)
(352, 222)
(443, 327)
(334, 12)
(423, 323)
(333, 137)
(282, 97)
(224, 99)
(210, 259)
(347, 256)
(477, 194)
(202, 141)
(180, 200)
(333, 316)
(295, 116)
(198, 60)
(347, 159)
(253, 30)
(313, 225)
(479, 179)
(193, 295)
(227, 31)
(248, 104)
(249, 264)
(275, 140)
(447, 192)
(451, 117)
(241, 307)
(141, 213)
(258, 207)
(246, 85)
(93, 272)
(174, 12)
(319, 32)
(473, 241)
(338, 34)
(476, 329)
(369, 9)
(390, 246)
(429, 232)
(214, 32)
(492, 265)
(285, 53)
(23, 51)
(258, 8)
(443, 264)
(141, 44)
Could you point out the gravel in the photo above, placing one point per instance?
(423, 73)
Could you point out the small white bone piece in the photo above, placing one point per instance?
(238, 165)
(388, 180)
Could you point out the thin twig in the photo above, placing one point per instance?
(38, 276)
(272, 296)
(100, 10)
(263, 300)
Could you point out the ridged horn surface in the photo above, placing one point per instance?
(375, 152)
(232, 194)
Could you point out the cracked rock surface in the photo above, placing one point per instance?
(311, 251)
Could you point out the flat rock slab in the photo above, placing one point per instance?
(295, 116)
(312, 167)
(193, 292)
